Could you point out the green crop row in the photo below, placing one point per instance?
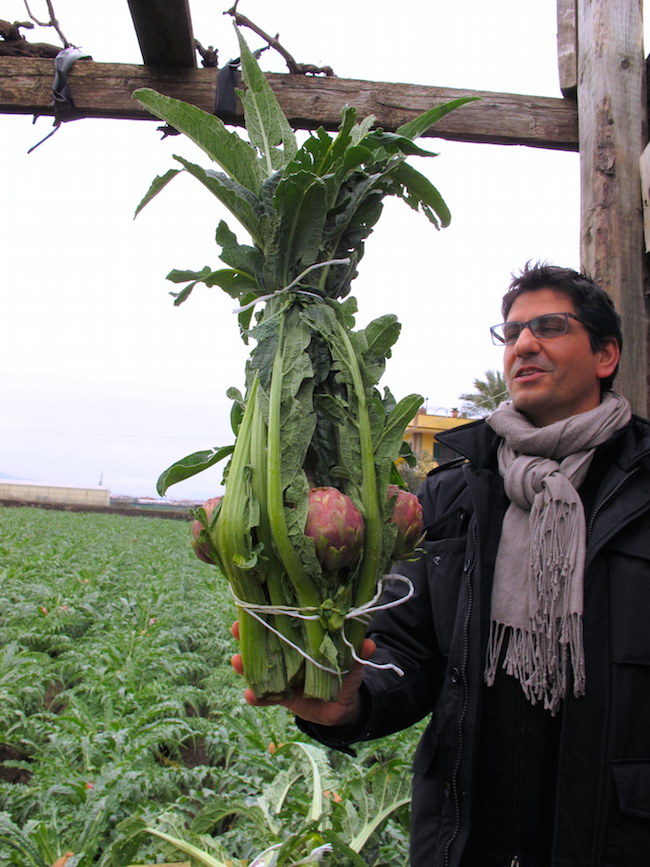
(119, 712)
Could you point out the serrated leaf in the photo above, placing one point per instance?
(394, 143)
(184, 294)
(235, 156)
(426, 120)
(240, 201)
(381, 334)
(241, 257)
(158, 184)
(302, 203)
(422, 193)
(10, 833)
(376, 794)
(190, 466)
(398, 419)
(266, 123)
(193, 851)
(178, 276)
(238, 284)
(320, 773)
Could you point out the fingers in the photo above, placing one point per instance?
(342, 710)
(237, 663)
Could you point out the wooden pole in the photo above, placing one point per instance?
(612, 122)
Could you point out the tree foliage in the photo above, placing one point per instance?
(487, 396)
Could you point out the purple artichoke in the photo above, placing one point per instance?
(200, 540)
(407, 515)
(336, 526)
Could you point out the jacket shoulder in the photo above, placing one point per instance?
(453, 464)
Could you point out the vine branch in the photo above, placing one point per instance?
(273, 42)
(53, 22)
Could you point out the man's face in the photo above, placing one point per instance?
(550, 379)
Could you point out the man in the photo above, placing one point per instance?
(527, 639)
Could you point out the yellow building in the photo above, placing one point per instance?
(421, 433)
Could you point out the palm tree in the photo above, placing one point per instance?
(489, 393)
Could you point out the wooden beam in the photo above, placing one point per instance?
(613, 135)
(164, 31)
(567, 47)
(104, 90)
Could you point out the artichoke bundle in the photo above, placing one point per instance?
(311, 516)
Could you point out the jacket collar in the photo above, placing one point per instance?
(478, 443)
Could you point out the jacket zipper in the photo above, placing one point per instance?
(596, 511)
(470, 562)
(609, 496)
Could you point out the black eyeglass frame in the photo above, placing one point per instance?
(532, 324)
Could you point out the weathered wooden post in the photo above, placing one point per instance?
(612, 122)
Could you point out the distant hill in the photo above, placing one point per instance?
(9, 478)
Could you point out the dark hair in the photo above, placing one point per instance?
(593, 306)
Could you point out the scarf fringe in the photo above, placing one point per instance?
(539, 660)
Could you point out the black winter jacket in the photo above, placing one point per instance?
(439, 639)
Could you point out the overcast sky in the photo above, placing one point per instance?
(103, 379)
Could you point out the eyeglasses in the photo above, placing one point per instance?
(547, 325)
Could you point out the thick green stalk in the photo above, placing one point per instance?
(275, 569)
(318, 683)
(370, 566)
(262, 657)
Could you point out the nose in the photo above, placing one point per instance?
(526, 343)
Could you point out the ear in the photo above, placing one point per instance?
(607, 359)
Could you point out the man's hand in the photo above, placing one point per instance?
(342, 711)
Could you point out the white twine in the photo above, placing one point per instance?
(362, 613)
(292, 284)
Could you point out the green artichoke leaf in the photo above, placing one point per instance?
(373, 346)
(184, 294)
(266, 123)
(182, 277)
(235, 156)
(380, 336)
(345, 136)
(313, 156)
(421, 193)
(388, 445)
(356, 156)
(332, 407)
(237, 408)
(237, 284)
(158, 183)
(327, 153)
(361, 129)
(241, 257)
(393, 143)
(190, 466)
(342, 402)
(177, 276)
(241, 202)
(420, 124)
(301, 199)
(406, 454)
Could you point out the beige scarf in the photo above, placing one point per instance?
(537, 598)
